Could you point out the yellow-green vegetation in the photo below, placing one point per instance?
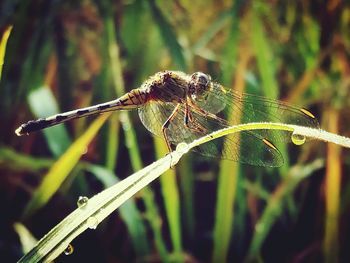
(61, 55)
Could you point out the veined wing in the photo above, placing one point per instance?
(155, 113)
(253, 147)
(246, 146)
(246, 108)
(238, 147)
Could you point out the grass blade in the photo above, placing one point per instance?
(61, 169)
(332, 193)
(128, 212)
(224, 214)
(26, 238)
(214, 28)
(187, 183)
(97, 208)
(267, 68)
(14, 161)
(116, 69)
(43, 103)
(229, 171)
(130, 136)
(169, 36)
(275, 205)
(3, 43)
(170, 194)
(101, 205)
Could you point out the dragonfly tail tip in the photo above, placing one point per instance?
(19, 131)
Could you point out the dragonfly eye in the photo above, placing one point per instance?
(201, 78)
(199, 85)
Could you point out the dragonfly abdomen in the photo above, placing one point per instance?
(130, 100)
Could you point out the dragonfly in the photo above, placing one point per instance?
(183, 107)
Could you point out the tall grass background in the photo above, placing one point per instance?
(62, 55)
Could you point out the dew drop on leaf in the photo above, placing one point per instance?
(298, 139)
(92, 222)
(82, 201)
(69, 250)
(182, 147)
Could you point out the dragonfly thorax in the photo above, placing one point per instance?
(199, 86)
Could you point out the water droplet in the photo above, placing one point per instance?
(82, 201)
(69, 250)
(182, 147)
(92, 222)
(298, 139)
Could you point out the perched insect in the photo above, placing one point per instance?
(182, 107)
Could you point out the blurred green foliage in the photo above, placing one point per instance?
(63, 55)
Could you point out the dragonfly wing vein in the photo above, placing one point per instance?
(245, 147)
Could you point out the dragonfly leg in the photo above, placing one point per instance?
(191, 123)
(188, 115)
(167, 123)
(206, 113)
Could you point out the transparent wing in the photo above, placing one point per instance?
(245, 147)
(253, 147)
(214, 103)
(155, 113)
(246, 108)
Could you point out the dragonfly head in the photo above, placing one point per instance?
(199, 86)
